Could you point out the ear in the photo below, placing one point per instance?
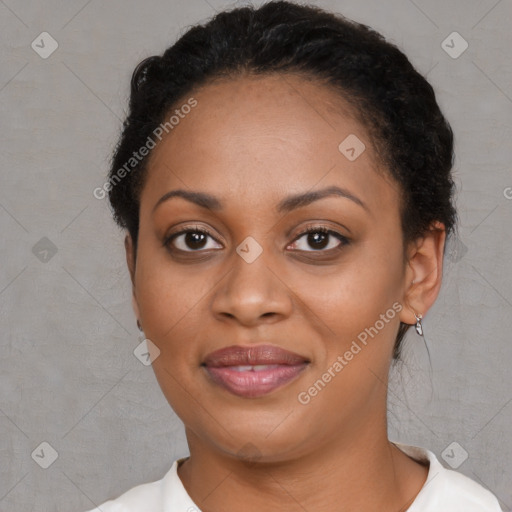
(130, 261)
(424, 273)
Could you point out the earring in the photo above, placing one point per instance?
(418, 326)
(139, 325)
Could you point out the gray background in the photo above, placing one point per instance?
(68, 375)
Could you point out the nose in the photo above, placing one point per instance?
(252, 293)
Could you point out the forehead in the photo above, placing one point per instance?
(263, 137)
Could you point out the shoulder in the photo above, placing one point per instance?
(446, 490)
(143, 497)
(466, 494)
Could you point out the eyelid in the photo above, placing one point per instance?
(324, 225)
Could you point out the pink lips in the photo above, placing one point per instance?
(253, 371)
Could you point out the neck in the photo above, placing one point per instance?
(363, 472)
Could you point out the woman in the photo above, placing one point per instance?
(284, 179)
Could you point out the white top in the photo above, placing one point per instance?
(444, 491)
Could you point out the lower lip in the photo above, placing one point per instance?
(252, 384)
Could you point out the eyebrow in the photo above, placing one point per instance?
(289, 203)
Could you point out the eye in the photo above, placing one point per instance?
(189, 240)
(320, 239)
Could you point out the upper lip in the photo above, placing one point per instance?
(238, 355)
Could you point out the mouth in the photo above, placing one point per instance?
(254, 371)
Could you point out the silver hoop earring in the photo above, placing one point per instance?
(139, 325)
(418, 326)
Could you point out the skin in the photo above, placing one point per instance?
(251, 142)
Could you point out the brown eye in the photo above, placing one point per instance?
(320, 239)
(190, 240)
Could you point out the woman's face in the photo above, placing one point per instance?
(254, 144)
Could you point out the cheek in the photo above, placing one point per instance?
(170, 301)
(171, 311)
(364, 286)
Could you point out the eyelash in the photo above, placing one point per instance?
(312, 229)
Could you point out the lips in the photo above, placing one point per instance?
(253, 371)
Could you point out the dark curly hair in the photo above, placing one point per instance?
(393, 101)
